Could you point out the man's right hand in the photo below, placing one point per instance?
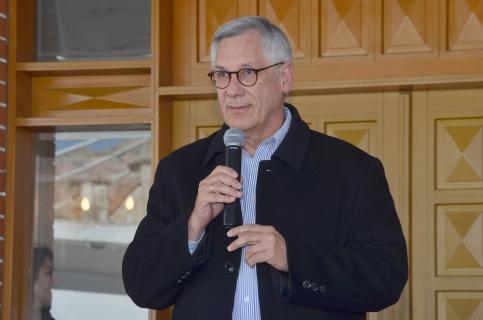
(219, 187)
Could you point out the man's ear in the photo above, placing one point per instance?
(286, 77)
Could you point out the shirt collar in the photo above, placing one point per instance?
(291, 145)
(282, 131)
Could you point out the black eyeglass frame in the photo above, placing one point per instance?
(210, 74)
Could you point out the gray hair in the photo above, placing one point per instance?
(276, 47)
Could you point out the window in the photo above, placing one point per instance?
(93, 29)
(91, 190)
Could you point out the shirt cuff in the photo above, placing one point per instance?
(192, 245)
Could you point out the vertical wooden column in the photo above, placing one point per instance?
(3, 131)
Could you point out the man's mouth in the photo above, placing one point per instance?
(238, 108)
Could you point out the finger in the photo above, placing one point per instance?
(225, 170)
(220, 180)
(249, 228)
(214, 183)
(255, 249)
(257, 257)
(219, 198)
(261, 253)
(243, 240)
(225, 189)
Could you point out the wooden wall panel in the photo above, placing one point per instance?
(346, 28)
(408, 26)
(194, 119)
(59, 95)
(211, 15)
(294, 17)
(361, 134)
(447, 204)
(459, 148)
(352, 43)
(460, 305)
(459, 236)
(465, 25)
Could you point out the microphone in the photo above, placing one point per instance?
(234, 139)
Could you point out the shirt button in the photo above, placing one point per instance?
(306, 284)
(246, 299)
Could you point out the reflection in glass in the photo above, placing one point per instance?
(91, 191)
(93, 29)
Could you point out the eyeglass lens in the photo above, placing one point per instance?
(246, 76)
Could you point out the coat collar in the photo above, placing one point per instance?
(292, 150)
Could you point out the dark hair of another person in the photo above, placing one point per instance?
(40, 254)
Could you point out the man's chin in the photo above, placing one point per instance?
(238, 122)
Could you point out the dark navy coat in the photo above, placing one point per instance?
(330, 201)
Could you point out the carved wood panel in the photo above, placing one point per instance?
(56, 95)
(346, 27)
(447, 213)
(361, 134)
(465, 25)
(348, 41)
(459, 160)
(459, 234)
(408, 26)
(294, 17)
(211, 15)
(460, 305)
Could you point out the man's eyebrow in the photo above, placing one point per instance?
(245, 65)
(218, 68)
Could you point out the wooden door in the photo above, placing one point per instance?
(447, 205)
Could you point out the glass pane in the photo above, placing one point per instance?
(91, 190)
(93, 29)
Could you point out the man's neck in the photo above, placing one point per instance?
(253, 141)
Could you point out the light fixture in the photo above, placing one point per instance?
(85, 204)
(129, 203)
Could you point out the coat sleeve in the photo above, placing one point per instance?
(157, 263)
(367, 271)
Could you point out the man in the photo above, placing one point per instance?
(320, 237)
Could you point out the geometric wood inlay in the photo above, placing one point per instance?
(294, 18)
(459, 236)
(459, 154)
(51, 94)
(460, 305)
(212, 14)
(345, 27)
(406, 26)
(465, 25)
(360, 134)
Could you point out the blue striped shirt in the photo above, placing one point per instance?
(246, 305)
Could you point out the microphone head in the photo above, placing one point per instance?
(234, 137)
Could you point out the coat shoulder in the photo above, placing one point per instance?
(188, 155)
(335, 149)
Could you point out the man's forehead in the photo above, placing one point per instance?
(240, 51)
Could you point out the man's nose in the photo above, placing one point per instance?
(235, 87)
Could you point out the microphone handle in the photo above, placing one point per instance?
(232, 211)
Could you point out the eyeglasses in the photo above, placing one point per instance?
(246, 76)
